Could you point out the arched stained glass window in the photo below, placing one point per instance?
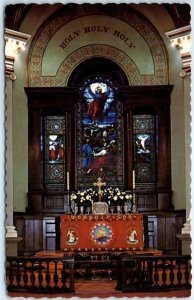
(99, 134)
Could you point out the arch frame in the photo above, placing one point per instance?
(128, 15)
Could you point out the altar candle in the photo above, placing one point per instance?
(68, 181)
(133, 179)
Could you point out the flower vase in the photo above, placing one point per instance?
(118, 209)
(126, 209)
(75, 210)
(81, 210)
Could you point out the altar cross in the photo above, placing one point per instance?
(99, 184)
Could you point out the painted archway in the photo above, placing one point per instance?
(80, 32)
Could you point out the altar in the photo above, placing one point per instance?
(101, 232)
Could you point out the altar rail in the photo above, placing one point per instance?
(153, 273)
(135, 273)
(40, 275)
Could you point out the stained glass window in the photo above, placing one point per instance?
(54, 152)
(144, 144)
(99, 134)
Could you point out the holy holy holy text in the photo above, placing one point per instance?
(98, 28)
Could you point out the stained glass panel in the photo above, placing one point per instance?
(54, 152)
(144, 137)
(99, 151)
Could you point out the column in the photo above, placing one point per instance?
(10, 229)
(187, 105)
(181, 39)
(14, 44)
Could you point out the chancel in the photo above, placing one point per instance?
(97, 102)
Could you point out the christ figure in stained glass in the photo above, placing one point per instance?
(99, 120)
(99, 97)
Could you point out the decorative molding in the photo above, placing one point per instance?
(11, 231)
(131, 17)
(187, 227)
(112, 53)
(181, 39)
(15, 42)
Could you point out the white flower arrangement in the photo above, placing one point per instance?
(115, 195)
(87, 195)
(109, 194)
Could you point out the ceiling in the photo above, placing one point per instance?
(15, 13)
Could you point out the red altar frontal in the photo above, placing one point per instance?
(101, 232)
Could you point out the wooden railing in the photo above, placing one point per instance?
(135, 273)
(153, 273)
(40, 275)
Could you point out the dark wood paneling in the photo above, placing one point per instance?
(53, 98)
(142, 97)
(150, 231)
(161, 230)
(34, 150)
(135, 99)
(35, 201)
(170, 233)
(54, 202)
(164, 149)
(30, 228)
(43, 101)
(154, 100)
(49, 202)
(155, 203)
(146, 202)
(49, 233)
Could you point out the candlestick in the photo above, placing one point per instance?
(133, 179)
(134, 207)
(68, 181)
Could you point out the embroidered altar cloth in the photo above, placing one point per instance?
(101, 232)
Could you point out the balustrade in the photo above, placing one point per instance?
(134, 273)
(40, 275)
(153, 273)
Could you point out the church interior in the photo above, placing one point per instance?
(98, 148)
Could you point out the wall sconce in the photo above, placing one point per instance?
(181, 39)
(15, 42)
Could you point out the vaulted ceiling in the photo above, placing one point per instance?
(15, 13)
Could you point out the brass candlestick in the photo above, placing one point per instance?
(134, 207)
